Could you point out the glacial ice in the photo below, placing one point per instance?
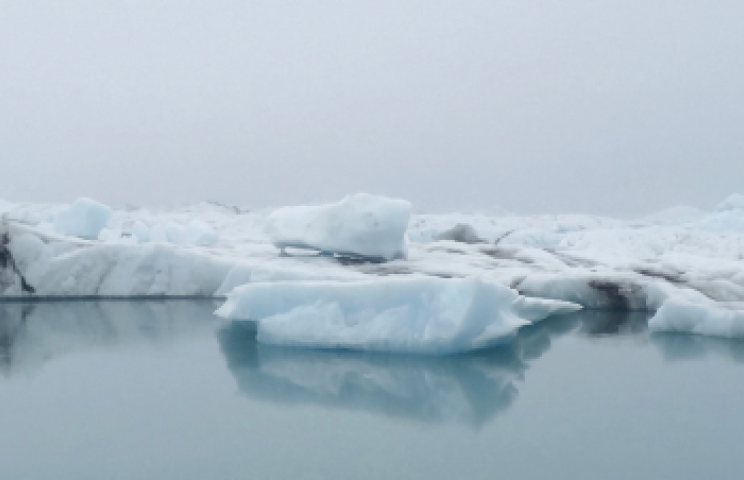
(360, 225)
(410, 315)
(597, 262)
(83, 219)
(717, 320)
(55, 267)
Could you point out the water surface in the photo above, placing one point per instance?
(163, 389)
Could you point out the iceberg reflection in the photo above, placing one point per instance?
(469, 389)
(34, 333)
(683, 346)
(614, 323)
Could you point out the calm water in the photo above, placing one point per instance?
(164, 390)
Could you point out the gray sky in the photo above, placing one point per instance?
(612, 106)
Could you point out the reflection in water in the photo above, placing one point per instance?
(614, 323)
(682, 346)
(468, 388)
(33, 333)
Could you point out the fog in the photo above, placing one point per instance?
(619, 107)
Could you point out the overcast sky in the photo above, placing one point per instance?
(614, 106)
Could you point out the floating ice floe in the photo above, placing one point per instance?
(410, 315)
(717, 320)
(83, 219)
(360, 225)
(593, 261)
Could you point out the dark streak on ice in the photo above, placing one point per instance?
(572, 261)
(498, 240)
(671, 278)
(388, 271)
(615, 294)
(346, 261)
(7, 262)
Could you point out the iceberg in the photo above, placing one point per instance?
(406, 315)
(209, 250)
(360, 225)
(46, 266)
(717, 320)
(83, 219)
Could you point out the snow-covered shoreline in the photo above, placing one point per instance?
(592, 261)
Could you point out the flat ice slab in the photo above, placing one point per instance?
(360, 225)
(718, 320)
(407, 315)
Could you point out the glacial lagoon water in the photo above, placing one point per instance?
(165, 390)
